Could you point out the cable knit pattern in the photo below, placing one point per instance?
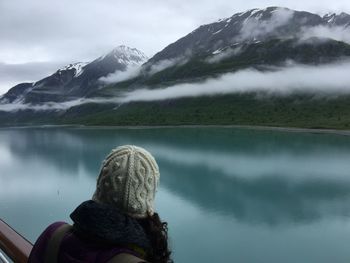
(128, 180)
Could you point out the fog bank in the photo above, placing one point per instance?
(326, 80)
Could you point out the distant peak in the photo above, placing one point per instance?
(126, 55)
(129, 50)
(342, 14)
(329, 14)
(123, 48)
(341, 19)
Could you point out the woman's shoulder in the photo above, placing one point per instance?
(39, 247)
(50, 230)
(54, 226)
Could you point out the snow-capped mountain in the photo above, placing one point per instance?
(126, 56)
(249, 27)
(77, 79)
(257, 38)
(265, 40)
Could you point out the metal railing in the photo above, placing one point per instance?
(15, 246)
(3, 259)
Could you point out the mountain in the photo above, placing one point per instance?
(75, 80)
(259, 40)
(247, 27)
(255, 38)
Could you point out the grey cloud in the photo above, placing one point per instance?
(12, 74)
(83, 30)
(28, 71)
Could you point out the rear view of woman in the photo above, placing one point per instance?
(119, 223)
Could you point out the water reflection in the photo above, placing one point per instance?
(243, 195)
(256, 177)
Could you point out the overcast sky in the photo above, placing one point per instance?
(39, 36)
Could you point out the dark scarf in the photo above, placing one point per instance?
(105, 223)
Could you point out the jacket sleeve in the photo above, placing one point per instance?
(37, 254)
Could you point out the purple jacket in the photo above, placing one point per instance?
(74, 249)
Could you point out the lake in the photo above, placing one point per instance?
(228, 194)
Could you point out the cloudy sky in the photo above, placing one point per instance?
(39, 36)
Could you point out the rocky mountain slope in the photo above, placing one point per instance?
(252, 26)
(254, 38)
(75, 80)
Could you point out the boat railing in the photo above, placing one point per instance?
(3, 259)
(13, 245)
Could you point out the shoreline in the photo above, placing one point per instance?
(248, 127)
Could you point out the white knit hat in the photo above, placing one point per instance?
(128, 180)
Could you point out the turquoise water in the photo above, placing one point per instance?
(229, 195)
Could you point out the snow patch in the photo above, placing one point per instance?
(330, 17)
(217, 51)
(222, 54)
(126, 55)
(217, 31)
(254, 11)
(77, 67)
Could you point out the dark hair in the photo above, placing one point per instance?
(157, 232)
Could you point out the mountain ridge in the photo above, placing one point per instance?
(75, 80)
(215, 35)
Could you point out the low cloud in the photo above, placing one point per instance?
(54, 106)
(167, 63)
(330, 79)
(253, 28)
(338, 33)
(134, 71)
(118, 76)
(325, 81)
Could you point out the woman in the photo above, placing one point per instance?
(119, 223)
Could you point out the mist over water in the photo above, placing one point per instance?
(229, 195)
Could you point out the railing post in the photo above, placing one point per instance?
(15, 246)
